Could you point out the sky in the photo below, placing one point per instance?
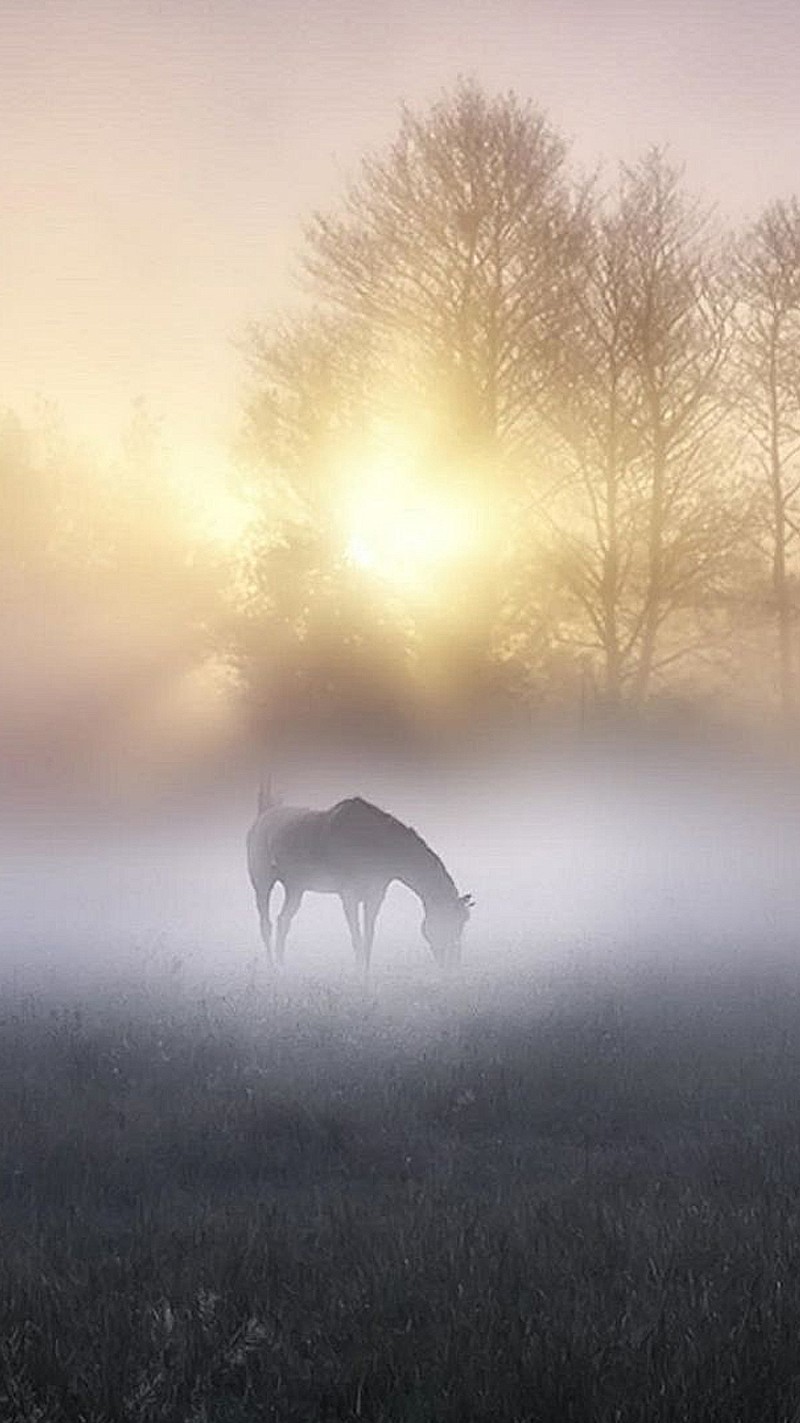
(159, 157)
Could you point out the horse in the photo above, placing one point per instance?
(355, 850)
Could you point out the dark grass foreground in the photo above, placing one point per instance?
(324, 1210)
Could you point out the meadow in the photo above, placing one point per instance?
(458, 1202)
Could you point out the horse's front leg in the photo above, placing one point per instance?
(289, 908)
(372, 905)
(350, 905)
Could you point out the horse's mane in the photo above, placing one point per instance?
(391, 820)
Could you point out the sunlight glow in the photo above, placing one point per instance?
(403, 524)
(203, 485)
(181, 719)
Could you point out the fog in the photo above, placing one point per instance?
(586, 863)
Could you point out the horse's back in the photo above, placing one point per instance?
(351, 843)
(357, 818)
(361, 837)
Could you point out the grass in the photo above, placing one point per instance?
(318, 1207)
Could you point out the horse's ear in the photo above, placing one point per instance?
(265, 798)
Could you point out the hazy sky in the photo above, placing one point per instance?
(158, 156)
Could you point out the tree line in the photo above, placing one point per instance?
(607, 375)
(618, 371)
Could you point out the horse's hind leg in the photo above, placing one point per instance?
(289, 908)
(263, 894)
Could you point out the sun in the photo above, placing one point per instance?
(404, 543)
(404, 525)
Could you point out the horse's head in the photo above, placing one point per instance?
(443, 926)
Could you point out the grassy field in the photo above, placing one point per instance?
(467, 1206)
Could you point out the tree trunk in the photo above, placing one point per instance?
(652, 610)
(611, 560)
(780, 586)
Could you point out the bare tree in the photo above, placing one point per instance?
(308, 380)
(642, 519)
(454, 248)
(768, 392)
(438, 287)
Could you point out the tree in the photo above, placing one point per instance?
(438, 288)
(109, 607)
(642, 521)
(304, 642)
(456, 247)
(768, 392)
(21, 501)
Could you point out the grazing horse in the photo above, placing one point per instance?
(354, 850)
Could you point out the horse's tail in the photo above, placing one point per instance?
(266, 794)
